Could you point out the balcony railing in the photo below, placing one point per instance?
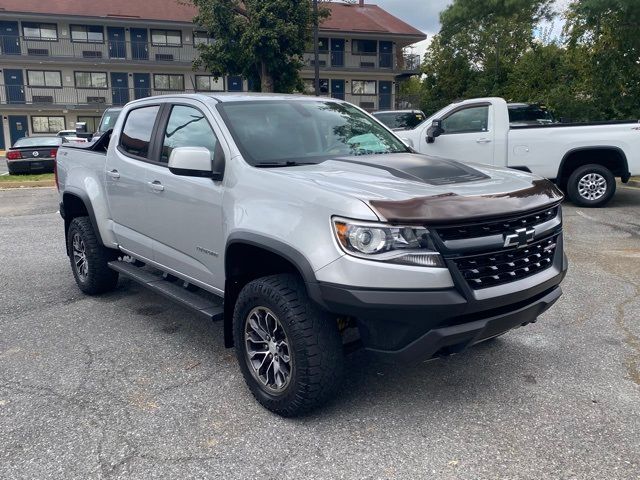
(18, 96)
(72, 97)
(349, 61)
(14, 47)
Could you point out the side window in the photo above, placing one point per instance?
(187, 127)
(469, 120)
(136, 134)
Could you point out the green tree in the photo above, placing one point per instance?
(490, 36)
(606, 33)
(262, 40)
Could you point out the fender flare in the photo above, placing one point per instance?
(277, 247)
(618, 150)
(84, 198)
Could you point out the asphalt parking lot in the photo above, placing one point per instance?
(128, 385)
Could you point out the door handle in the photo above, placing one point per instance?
(113, 174)
(483, 140)
(156, 186)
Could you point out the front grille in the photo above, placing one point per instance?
(495, 227)
(491, 269)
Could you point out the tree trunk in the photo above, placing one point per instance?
(266, 80)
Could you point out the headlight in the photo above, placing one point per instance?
(387, 243)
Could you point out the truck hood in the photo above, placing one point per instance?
(412, 188)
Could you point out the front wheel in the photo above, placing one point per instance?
(591, 186)
(289, 352)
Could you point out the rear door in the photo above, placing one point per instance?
(468, 135)
(185, 213)
(127, 167)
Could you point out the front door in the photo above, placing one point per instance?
(18, 127)
(468, 135)
(185, 213)
(126, 180)
(117, 43)
(337, 89)
(139, 44)
(386, 54)
(119, 88)
(14, 86)
(234, 83)
(337, 52)
(9, 38)
(385, 95)
(141, 85)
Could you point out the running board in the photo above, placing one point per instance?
(173, 291)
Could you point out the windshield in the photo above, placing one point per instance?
(38, 142)
(405, 120)
(293, 131)
(532, 114)
(108, 120)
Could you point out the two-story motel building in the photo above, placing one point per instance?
(65, 61)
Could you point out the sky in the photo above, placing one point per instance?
(425, 15)
(421, 14)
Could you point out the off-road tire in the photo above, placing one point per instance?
(314, 343)
(573, 187)
(99, 277)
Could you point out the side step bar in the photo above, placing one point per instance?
(174, 291)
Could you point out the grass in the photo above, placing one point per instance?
(42, 177)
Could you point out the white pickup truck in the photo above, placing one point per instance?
(582, 158)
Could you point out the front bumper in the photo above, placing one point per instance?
(416, 325)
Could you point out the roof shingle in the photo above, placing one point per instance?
(344, 18)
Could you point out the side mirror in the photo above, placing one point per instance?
(434, 131)
(195, 162)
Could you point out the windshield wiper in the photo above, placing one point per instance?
(283, 164)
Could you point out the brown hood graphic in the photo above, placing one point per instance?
(452, 208)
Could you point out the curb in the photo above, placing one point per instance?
(27, 184)
(633, 183)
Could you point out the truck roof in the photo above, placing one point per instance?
(240, 96)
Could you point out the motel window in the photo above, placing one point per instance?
(91, 79)
(166, 37)
(87, 33)
(44, 78)
(40, 31)
(92, 122)
(47, 124)
(364, 47)
(168, 82)
(208, 83)
(363, 87)
(202, 38)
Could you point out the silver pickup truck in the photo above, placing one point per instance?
(309, 229)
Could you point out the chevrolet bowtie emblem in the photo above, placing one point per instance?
(521, 238)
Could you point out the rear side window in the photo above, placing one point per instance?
(136, 134)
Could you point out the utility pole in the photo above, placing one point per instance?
(316, 48)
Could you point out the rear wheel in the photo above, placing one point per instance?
(289, 351)
(591, 186)
(89, 259)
